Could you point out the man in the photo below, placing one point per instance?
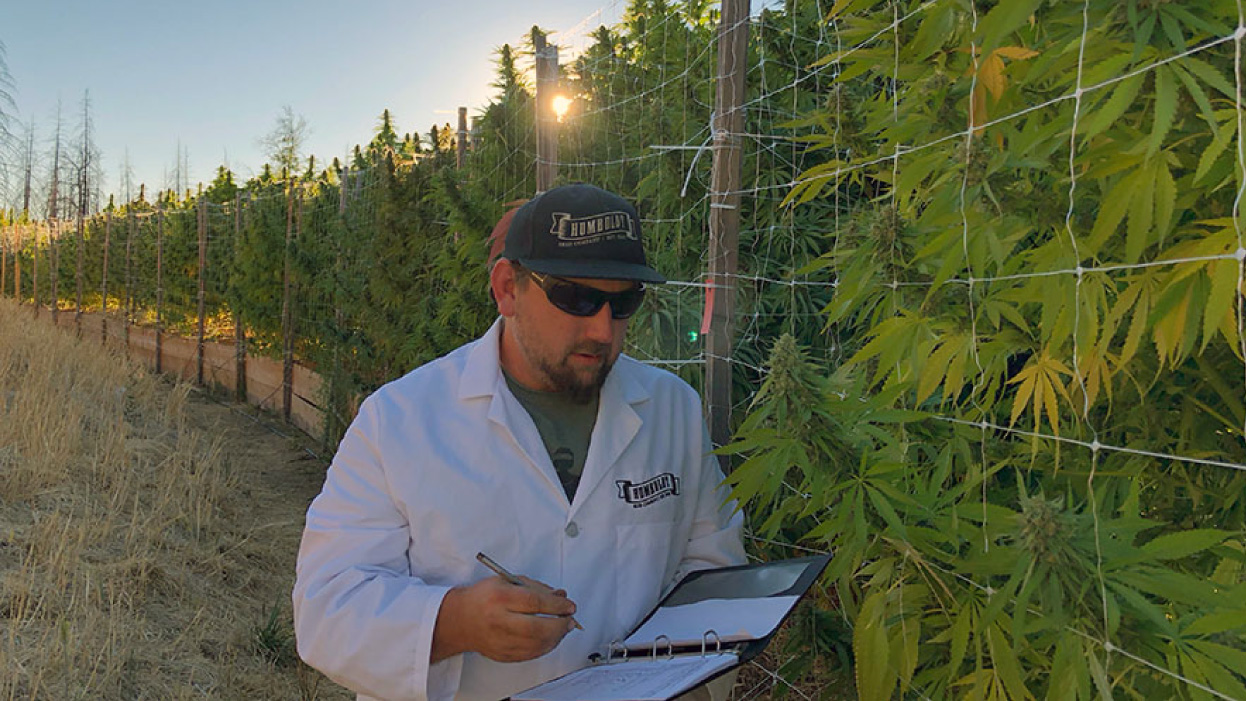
(539, 445)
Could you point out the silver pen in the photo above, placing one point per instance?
(505, 574)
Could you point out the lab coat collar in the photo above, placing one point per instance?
(483, 368)
(617, 424)
(617, 421)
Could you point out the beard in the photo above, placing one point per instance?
(580, 382)
(580, 387)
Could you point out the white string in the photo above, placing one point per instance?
(776, 677)
(1240, 169)
(1077, 316)
(1092, 445)
(1111, 648)
(973, 315)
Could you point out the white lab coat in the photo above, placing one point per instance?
(444, 463)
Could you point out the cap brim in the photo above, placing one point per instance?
(596, 269)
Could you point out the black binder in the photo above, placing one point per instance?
(659, 668)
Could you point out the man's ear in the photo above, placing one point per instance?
(502, 284)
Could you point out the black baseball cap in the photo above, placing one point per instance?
(579, 231)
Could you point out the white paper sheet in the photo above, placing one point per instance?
(647, 680)
(731, 619)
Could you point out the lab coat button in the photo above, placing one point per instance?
(572, 530)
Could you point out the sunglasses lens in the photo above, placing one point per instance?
(581, 300)
(576, 300)
(624, 304)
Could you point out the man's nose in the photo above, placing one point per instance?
(600, 326)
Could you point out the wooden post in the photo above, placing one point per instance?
(462, 139)
(160, 287)
(287, 313)
(203, 264)
(104, 279)
(725, 217)
(546, 56)
(4, 261)
(240, 334)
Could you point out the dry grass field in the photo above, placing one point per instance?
(147, 534)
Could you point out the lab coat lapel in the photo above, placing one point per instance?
(509, 415)
(616, 427)
(482, 376)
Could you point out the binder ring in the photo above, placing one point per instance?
(718, 643)
(670, 649)
(615, 644)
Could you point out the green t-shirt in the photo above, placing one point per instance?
(565, 427)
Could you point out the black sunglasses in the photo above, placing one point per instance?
(582, 300)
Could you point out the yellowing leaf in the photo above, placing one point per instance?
(991, 76)
(1038, 383)
(1224, 276)
(1027, 378)
(1016, 53)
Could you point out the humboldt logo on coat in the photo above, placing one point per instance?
(649, 491)
(572, 231)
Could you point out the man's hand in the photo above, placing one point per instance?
(502, 621)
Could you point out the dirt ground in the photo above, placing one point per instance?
(148, 532)
(283, 470)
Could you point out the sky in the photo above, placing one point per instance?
(213, 76)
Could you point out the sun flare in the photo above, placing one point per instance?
(561, 105)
